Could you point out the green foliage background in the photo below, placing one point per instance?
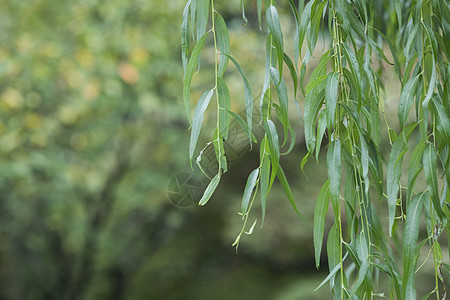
(91, 133)
(92, 130)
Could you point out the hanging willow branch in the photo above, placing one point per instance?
(343, 102)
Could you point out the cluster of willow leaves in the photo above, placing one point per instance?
(343, 115)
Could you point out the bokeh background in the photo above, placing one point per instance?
(94, 154)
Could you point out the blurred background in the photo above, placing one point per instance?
(97, 196)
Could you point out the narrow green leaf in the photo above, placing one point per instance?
(259, 11)
(415, 167)
(202, 104)
(202, 14)
(304, 21)
(320, 213)
(283, 99)
(273, 23)
(220, 151)
(312, 106)
(185, 35)
(313, 83)
(333, 247)
(225, 104)
(248, 191)
(406, 100)
(331, 97)
(362, 250)
(287, 189)
(248, 97)
(322, 125)
(394, 171)
(334, 173)
(293, 72)
(430, 168)
(192, 64)
(410, 236)
(223, 43)
(320, 66)
(442, 115)
(398, 11)
(210, 189)
(243, 12)
(332, 273)
(243, 125)
(264, 182)
(272, 138)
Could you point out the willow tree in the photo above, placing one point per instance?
(342, 103)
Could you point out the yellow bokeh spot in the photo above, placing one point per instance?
(32, 121)
(12, 98)
(139, 56)
(78, 141)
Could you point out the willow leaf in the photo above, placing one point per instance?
(304, 21)
(259, 10)
(185, 35)
(248, 97)
(333, 247)
(202, 14)
(192, 64)
(312, 105)
(243, 125)
(362, 250)
(334, 174)
(332, 273)
(410, 236)
(248, 191)
(210, 189)
(406, 100)
(320, 213)
(322, 126)
(272, 138)
(331, 97)
(264, 182)
(225, 104)
(287, 189)
(430, 168)
(394, 171)
(293, 72)
(273, 23)
(283, 98)
(198, 120)
(415, 166)
(223, 43)
(442, 115)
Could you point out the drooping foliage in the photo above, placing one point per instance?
(343, 104)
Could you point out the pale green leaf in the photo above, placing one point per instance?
(406, 100)
(224, 104)
(264, 182)
(192, 64)
(394, 171)
(185, 35)
(248, 97)
(430, 169)
(248, 191)
(202, 104)
(223, 43)
(274, 25)
(331, 97)
(202, 14)
(210, 189)
(320, 213)
(272, 138)
(334, 173)
(410, 236)
(287, 189)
